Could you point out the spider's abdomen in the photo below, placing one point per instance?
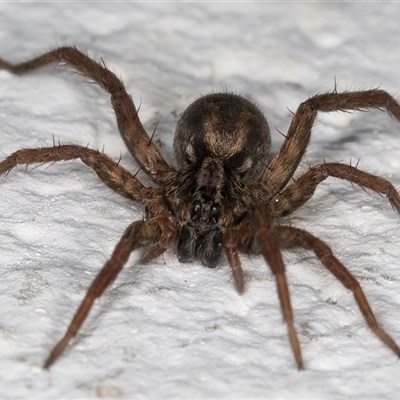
(224, 127)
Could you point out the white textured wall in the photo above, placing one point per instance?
(169, 330)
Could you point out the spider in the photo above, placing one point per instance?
(224, 197)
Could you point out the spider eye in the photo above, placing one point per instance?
(196, 207)
(215, 209)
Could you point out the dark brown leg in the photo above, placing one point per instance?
(272, 254)
(289, 237)
(130, 127)
(300, 191)
(134, 237)
(111, 173)
(282, 167)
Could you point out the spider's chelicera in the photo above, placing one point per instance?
(224, 196)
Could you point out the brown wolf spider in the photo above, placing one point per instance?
(223, 196)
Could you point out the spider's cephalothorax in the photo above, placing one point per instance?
(224, 196)
(222, 143)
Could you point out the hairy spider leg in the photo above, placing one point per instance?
(263, 232)
(137, 234)
(110, 172)
(130, 127)
(302, 189)
(289, 237)
(286, 161)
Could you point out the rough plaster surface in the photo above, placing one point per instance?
(169, 330)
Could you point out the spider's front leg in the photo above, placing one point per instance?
(285, 163)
